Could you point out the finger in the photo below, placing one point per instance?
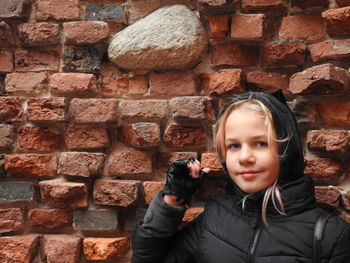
(191, 167)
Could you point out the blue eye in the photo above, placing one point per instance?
(262, 144)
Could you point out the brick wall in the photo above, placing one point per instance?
(85, 145)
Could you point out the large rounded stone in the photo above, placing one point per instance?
(172, 37)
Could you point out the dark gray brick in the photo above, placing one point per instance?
(95, 12)
(95, 220)
(11, 192)
(14, 8)
(85, 59)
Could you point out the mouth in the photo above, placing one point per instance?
(248, 174)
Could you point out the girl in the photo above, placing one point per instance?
(272, 215)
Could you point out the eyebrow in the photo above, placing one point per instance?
(253, 137)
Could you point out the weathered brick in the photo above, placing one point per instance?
(93, 110)
(327, 195)
(14, 8)
(18, 248)
(50, 218)
(303, 27)
(249, 27)
(11, 109)
(139, 110)
(83, 58)
(64, 194)
(105, 248)
(328, 140)
(123, 163)
(174, 156)
(72, 83)
(212, 187)
(191, 213)
(267, 81)
(330, 49)
(31, 165)
(140, 134)
(192, 108)
(13, 192)
(150, 190)
(218, 26)
(26, 82)
(324, 171)
(85, 32)
(95, 220)
(6, 61)
(319, 79)
(283, 53)
(184, 136)
(345, 198)
(78, 138)
(337, 21)
(138, 85)
(122, 193)
(46, 109)
(233, 54)
(342, 3)
(81, 164)
(39, 34)
(6, 35)
(223, 82)
(115, 85)
(173, 83)
(7, 136)
(40, 139)
(97, 12)
(37, 60)
(264, 6)
(213, 3)
(57, 9)
(60, 248)
(211, 160)
(309, 4)
(11, 220)
(334, 113)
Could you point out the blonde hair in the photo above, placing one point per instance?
(273, 191)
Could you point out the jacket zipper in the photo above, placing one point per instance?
(253, 246)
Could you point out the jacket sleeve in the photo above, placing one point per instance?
(341, 249)
(157, 238)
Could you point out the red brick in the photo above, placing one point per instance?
(173, 83)
(115, 85)
(11, 220)
(60, 248)
(37, 139)
(93, 110)
(264, 6)
(36, 60)
(140, 134)
(309, 4)
(342, 3)
(150, 190)
(72, 83)
(346, 200)
(140, 110)
(85, 32)
(26, 82)
(81, 164)
(57, 9)
(6, 35)
(248, 27)
(11, 109)
(211, 160)
(218, 26)
(26, 248)
(64, 194)
(105, 248)
(329, 140)
(14, 9)
(223, 82)
(50, 218)
(283, 53)
(327, 195)
(212, 187)
(78, 138)
(39, 34)
(324, 171)
(174, 156)
(123, 193)
(138, 85)
(184, 136)
(322, 79)
(37, 166)
(267, 81)
(6, 61)
(330, 49)
(46, 109)
(191, 214)
(334, 113)
(7, 136)
(303, 27)
(337, 21)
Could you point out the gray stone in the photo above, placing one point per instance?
(11, 192)
(84, 59)
(170, 38)
(95, 220)
(97, 12)
(14, 8)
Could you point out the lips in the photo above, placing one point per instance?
(248, 174)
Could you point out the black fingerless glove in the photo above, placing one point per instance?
(179, 181)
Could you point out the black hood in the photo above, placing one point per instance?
(292, 159)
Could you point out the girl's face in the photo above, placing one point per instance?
(252, 164)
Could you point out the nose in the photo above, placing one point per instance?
(246, 155)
